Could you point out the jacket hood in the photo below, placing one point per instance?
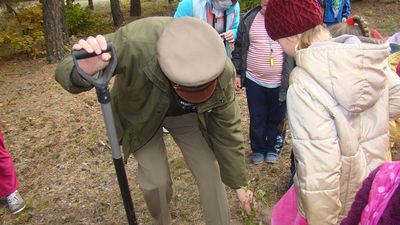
(350, 69)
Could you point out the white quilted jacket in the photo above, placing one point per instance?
(339, 102)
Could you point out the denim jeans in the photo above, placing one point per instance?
(266, 114)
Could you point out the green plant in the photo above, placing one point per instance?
(260, 200)
(83, 22)
(261, 196)
(246, 5)
(22, 32)
(2, 79)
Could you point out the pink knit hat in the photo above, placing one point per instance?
(285, 18)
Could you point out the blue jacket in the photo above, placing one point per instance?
(201, 9)
(329, 15)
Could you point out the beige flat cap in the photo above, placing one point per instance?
(190, 52)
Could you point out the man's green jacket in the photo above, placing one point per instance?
(141, 96)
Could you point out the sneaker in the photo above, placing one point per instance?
(257, 158)
(15, 202)
(271, 157)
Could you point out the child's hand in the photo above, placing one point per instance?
(229, 36)
(238, 83)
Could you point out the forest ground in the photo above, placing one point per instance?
(63, 160)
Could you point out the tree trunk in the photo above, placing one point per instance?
(116, 13)
(91, 6)
(64, 26)
(53, 15)
(136, 8)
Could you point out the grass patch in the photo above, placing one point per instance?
(90, 139)
(387, 26)
(389, 1)
(2, 79)
(150, 8)
(369, 13)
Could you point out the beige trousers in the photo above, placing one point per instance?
(154, 175)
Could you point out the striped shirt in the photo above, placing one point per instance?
(262, 51)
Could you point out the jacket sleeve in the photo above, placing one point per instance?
(346, 9)
(235, 24)
(317, 153)
(236, 54)
(67, 76)
(185, 8)
(394, 94)
(228, 144)
(226, 139)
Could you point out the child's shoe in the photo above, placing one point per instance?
(257, 158)
(15, 202)
(271, 157)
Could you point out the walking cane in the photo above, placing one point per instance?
(103, 96)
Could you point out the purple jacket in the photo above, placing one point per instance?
(391, 215)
